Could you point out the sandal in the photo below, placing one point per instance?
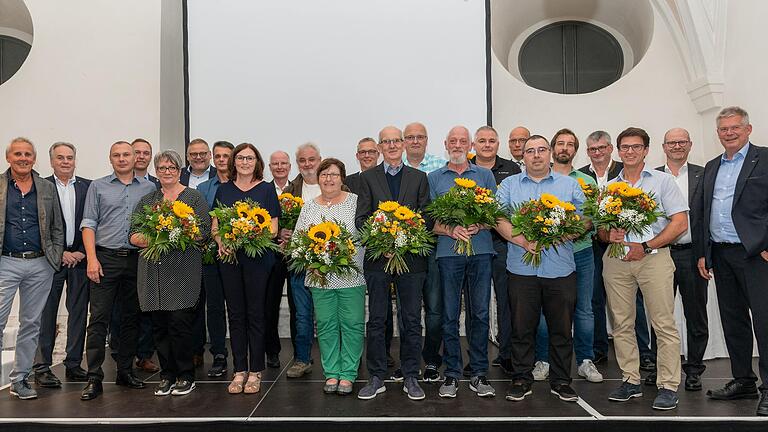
(236, 386)
(253, 385)
(331, 385)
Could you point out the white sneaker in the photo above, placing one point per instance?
(588, 370)
(541, 371)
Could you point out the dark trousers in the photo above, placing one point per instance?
(210, 314)
(277, 278)
(245, 289)
(740, 282)
(503, 312)
(118, 285)
(77, 310)
(173, 332)
(693, 292)
(528, 297)
(145, 347)
(433, 314)
(408, 288)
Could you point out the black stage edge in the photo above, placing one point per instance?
(298, 405)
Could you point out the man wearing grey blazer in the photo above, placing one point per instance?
(32, 239)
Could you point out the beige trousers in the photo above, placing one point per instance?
(654, 275)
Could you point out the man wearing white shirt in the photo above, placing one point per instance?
(199, 169)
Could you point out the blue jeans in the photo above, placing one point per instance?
(477, 270)
(433, 320)
(583, 319)
(305, 328)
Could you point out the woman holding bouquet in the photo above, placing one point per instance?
(169, 283)
(340, 303)
(245, 277)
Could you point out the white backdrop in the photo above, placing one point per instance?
(278, 74)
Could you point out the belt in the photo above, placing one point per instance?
(726, 245)
(25, 255)
(681, 246)
(122, 252)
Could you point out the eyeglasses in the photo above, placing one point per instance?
(726, 129)
(412, 138)
(637, 148)
(198, 155)
(597, 149)
(329, 176)
(168, 169)
(517, 140)
(279, 164)
(248, 159)
(368, 152)
(536, 150)
(673, 144)
(461, 141)
(395, 141)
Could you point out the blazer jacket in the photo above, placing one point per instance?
(81, 190)
(695, 174)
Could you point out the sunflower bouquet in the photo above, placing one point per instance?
(166, 225)
(324, 249)
(466, 204)
(393, 231)
(548, 221)
(244, 225)
(619, 205)
(291, 207)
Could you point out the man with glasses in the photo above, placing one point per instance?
(648, 266)
(416, 156)
(517, 138)
(199, 168)
(734, 242)
(368, 157)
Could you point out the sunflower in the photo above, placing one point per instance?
(631, 192)
(298, 201)
(465, 183)
(242, 209)
(260, 216)
(569, 207)
(404, 213)
(319, 233)
(549, 200)
(181, 209)
(285, 195)
(333, 229)
(389, 206)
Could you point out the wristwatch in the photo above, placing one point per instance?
(647, 249)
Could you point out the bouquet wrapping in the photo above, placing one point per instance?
(291, 207)
(244, 226)
(321, 250)
(166, 226)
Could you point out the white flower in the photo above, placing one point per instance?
(173, 237)
(401, 240)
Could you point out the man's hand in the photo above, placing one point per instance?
(764, 254)
(616, 235)
(94, 270)
(285, 234)
(68, 260)
(79, 256)
(707, 273)
(460, 233)
(530, 246)
(636, 251)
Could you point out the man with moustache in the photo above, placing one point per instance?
(199, 169)
(368, 157)
(454, 268)
(32, 247)
(72, 191)
(112, 266)
(517, 138)
(393, 181)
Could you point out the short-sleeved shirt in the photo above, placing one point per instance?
(263, 194)
(520, 188)
(428, 164)
(587, 240)
(442, 180)
(667, 194)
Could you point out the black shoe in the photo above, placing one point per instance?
(518, 390)
(497, 361)
(77, 374)
(650, 379)
(130, 381)
(734, 390)
(506, 366)
(647, 364)
(693, 382)
(219, 366)
(762, 406)
(600, 358)
(565, 393)
(467, 372)
(47, 379)
(397, 375)
(164, 388)
(183, 387)
(92, 390)
(273, 361)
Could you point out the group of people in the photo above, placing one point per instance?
(69, 229)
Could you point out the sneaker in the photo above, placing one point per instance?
(219, 366)
(412, 388)
(518, 390)
(183, 387)
(372, 389)
(397, 375)
(625, 392)
(565, 393)
(650, 379)
(298, 369)
(541, 371)
(588, 370)
(164, 388)
(449, 388)
(665, 400)
(431, 374)
(480, 385)
(22, 390)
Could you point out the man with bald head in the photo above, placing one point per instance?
(456, 268)
(391, 180)
(517, 138)
(368, 156)
(416, 142)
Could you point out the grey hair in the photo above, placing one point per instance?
(486, 128)
(598, 135)
(733, 111)
(170, 156)
(469, 134)
(21, 140)
(307, 145)
(61, 144)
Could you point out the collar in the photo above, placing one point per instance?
(743, 152)
(70, 182)
(112, 177)
(607, 170)
(646, 172)
(526, 177)
(470, 168)
(388, 167)
(206, 172)
(683, 169)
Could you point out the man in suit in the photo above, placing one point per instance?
(693, 288)
(517, 138)
(32, 246)
(368, 156)
(199, 168)
(393, 181)
(72, 191)
(734, 243)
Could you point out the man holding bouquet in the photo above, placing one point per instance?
(646, 264)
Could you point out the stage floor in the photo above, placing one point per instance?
(299, 404)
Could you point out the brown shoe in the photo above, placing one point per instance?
(147, 366)
(253, 385)
(197, 361)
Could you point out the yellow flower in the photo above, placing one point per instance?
(545, 230)
(242, 209)
(548, 221)
(549, 200)
(298, 201)
(389, 206)
(285, 195)
(319, 233)
(582, 183)
(181, 209)
(632, 192)
(618, 187)
(465, 183)
(260, 216)
(568, 206)
(404, 213)
(539, 218)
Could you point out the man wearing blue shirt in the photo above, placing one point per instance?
(454, 268)
(649, 266)
(550, 286)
